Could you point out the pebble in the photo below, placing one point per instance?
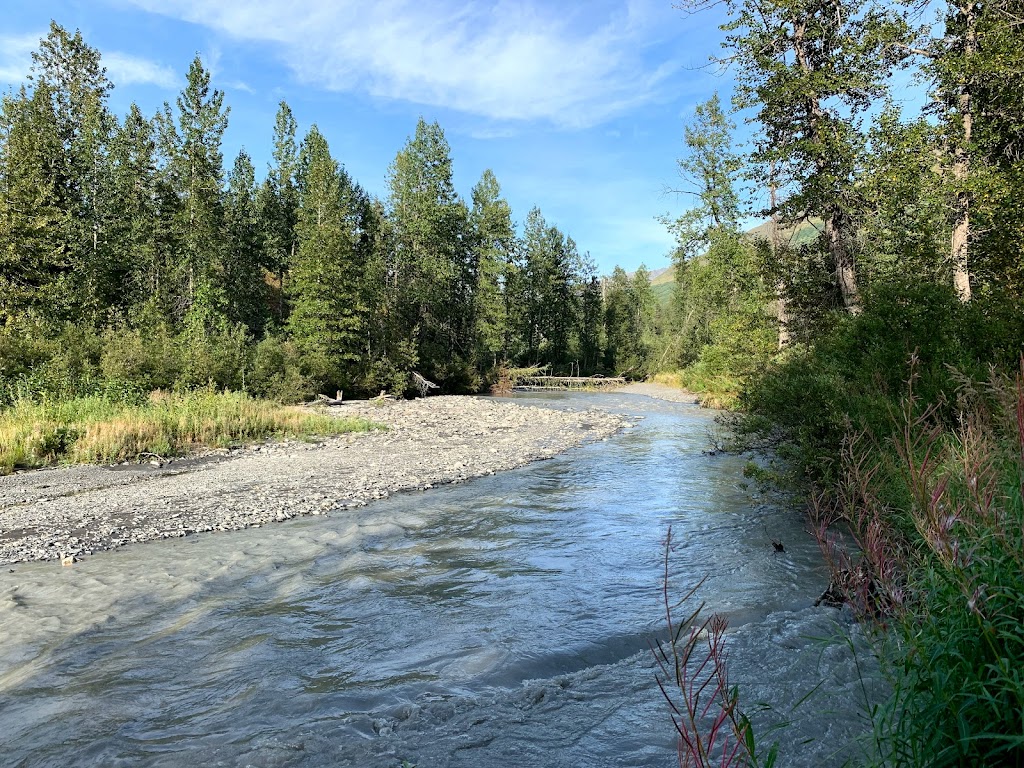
(428, 442)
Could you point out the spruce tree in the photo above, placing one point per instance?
(325, 314)
(279, 206)
(35, 259)
(494, 249)
(132, 156)
(193, 171)
(431, 268)
(71, 74)
(244, 286)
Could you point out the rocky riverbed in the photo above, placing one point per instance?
(74, 511)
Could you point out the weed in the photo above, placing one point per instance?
(693, 678)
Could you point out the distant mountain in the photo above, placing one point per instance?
(663, 280)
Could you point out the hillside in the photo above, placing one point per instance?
(663, 280)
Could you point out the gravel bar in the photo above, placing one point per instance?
(74, 511)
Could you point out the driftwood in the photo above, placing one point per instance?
(325, 400)
(423, 385)
(568, 382)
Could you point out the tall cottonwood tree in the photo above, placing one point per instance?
(975, 62)
(810, 70)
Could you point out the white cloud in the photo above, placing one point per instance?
(574, 66)
(122, 68)
(125, 69)
(16, 57)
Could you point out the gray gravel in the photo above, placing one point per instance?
(75, 511)
(659, 392)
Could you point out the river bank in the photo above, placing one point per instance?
(74, 511)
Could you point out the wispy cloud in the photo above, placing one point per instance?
(125, 69)
(513, 61)
(122, 68)
(16, 57)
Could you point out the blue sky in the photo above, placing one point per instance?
(577, 107)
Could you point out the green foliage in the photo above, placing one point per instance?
(807, 399)
(432, 270)
(629, 318)
(325, 321)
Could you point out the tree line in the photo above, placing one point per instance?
(861, 194)
(871, 334)
(132, 257)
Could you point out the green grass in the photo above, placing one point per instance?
(101, 430)
(715, 390)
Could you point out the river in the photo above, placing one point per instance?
(504, 622)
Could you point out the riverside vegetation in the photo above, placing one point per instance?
(132, 261)
(870, 335)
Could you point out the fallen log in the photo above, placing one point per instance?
(325, 400)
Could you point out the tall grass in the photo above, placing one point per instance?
(716, 389)
(36, 433)
(937, 517)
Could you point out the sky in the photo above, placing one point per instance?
(577, 107)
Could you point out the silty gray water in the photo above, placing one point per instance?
(505, 622)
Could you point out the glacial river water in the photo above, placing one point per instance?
(501, 623)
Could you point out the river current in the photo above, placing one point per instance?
(504, 622)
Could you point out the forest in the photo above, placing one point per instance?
(134, 259)
(870, 335)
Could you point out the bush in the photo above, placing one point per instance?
(806, 401)
(277, 373)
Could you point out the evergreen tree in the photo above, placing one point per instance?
(591, 331)
(243, 281)
(193, 171)
(72, 76)
(494, 248)
(629, 322)
(132, 232)
(279, 204)
(34, 217)
(431, 274)
(325, 317)
(551, 276)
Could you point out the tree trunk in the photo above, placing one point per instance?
(780, 284)
(960, 241)
(835, 237)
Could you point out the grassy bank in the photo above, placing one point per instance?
(904, 428)
(37, 433)
(715, 390)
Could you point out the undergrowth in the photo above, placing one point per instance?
(43, 432)
(936, 518)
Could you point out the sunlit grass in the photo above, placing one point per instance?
(715, 390)
(99, 430)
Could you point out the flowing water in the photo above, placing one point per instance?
(504, 622)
